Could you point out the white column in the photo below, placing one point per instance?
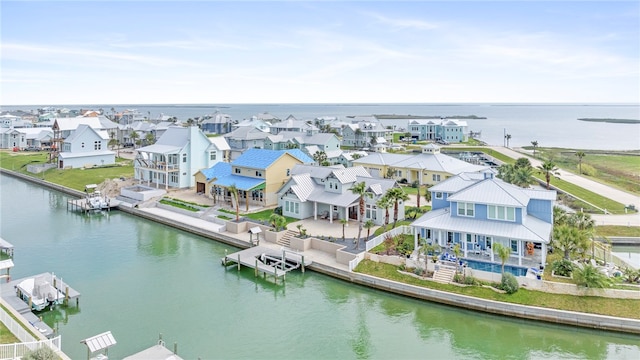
(464, 240)
(543, 255)
(330, 214)
(315, 210)
(415, 238)
(520, 246)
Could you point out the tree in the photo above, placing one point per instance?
(390, 173)
(396, 194)
(150, 138)
(560, 216)
(535, 145)
(580, 155)
(506, 172)
(42, 353)
(358, 134)
(234, 193)
(569, 239)
(385, 203)
(522, 162)
(523, 177)
(277, 221)
(503, 253)
(507, 137)
(344, 223)
(134, 136)
(549, 169)
(589, 276)
(368, 225)
(320, 157)
(360, 189)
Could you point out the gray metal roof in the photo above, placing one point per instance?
(532, 229)
(494, 192)
(160, 149)
(433, 162)
(99, 342)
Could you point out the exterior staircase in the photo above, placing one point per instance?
(444, 275)
(285, 240)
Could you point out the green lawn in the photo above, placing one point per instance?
(6, 336)
(71, 178)
(265, 214)
(618, 230)
(588, 304)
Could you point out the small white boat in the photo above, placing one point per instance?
(40, 292)
(95, 200)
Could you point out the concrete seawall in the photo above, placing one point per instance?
(594, 321)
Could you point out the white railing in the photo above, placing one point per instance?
(17, 350)
(353, 263)
(404, 229)
(15, 327)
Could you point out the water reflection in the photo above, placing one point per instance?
(156, 240)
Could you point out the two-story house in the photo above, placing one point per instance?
(293, 125)
(449, 130)
(478, 210)
(245, 137)
(365, 133)
(428, 168)
(176, 156)
(86, 146)
(324, 192)
(217, 123)
(257, 174)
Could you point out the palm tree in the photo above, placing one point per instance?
(506, 172)
(503, 253)
(507, 137)
(320, 157)
(384, 203)
(523, 177)
(277, 221)
(396, 194)
(344, 222)
(580, 155)
(589, 276)
(560, 216)
(234, 192)
(535, 145)
(522, 162)
(360, 189)
(548, 168)
(569, 239)
(149, 138)
(134, 136)
(368, 225)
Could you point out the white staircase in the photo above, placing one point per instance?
(444, 275)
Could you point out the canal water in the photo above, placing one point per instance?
(138, 279)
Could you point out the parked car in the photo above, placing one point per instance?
(33, 148)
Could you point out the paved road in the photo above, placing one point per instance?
(604, 190)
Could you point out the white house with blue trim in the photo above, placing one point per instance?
(85, 147)
(449, 130)
(477, 210)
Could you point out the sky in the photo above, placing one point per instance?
(223, 52)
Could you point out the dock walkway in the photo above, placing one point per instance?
(84, 206)
(267, 260)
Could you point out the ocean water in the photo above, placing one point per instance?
(552, 125)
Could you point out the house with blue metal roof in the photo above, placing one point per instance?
(477, 210)
(257, 174)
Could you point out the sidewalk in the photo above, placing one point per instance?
(620, 196)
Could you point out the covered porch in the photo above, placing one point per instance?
(251, 190)
(159, 165)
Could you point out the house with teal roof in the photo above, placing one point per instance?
(477, 210)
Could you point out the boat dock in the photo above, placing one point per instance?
(86, 207)
(267, 261)
(10, 296)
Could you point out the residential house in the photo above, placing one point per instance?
(177, 156)
(293, 125)
(449, 130)
(245, 137)
(478, 210)
(253, 122)
(257, 174)
(428, 168)
(316, 191)
(366, 133)
(216, 124)
(290, 140)
(86, 146)
(11, 138)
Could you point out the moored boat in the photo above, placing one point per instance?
(39, 292)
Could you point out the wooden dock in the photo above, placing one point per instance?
(267, 261)
(84, 206)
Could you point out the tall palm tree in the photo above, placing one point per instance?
(344, 222)
(507, 137)
(427, 195)
(385, 203)
(580, 155)
(535, 145)
(360, 189)
(134, 136)
(396, 194)
(417, 184)
(234, 192)
(503, 253)
(549, 169)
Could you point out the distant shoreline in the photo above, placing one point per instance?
(615, 121)
(394, 116)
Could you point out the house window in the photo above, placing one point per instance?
(286, 206)
(436, 177)
(184, 158)
(514, 246)
(501, 213)
(97, 145)
(465, 209)
(258, 173)
(438, 195)
(237, 171)
(173, 178)
(213, 155)
(82, 145)
(487, 242)
(288, 172)
(297, 205)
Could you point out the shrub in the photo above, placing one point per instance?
(43, 353)
(509, 283)
(418, 271)
(278, 210)
(588, 170)
(562, 267)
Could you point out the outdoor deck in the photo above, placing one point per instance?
(267, 261)
(82, 205)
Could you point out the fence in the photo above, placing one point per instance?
(17, 350)
(353, 263)
(404, 229)
(15, 327)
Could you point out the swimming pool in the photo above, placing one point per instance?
(496, 268)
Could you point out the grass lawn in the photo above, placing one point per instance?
(265, 214)
(588, 304)
(618, 230)
(6, 336)
(71, 178)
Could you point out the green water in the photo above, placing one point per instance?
(139, 279)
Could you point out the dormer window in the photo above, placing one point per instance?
(466, 209)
